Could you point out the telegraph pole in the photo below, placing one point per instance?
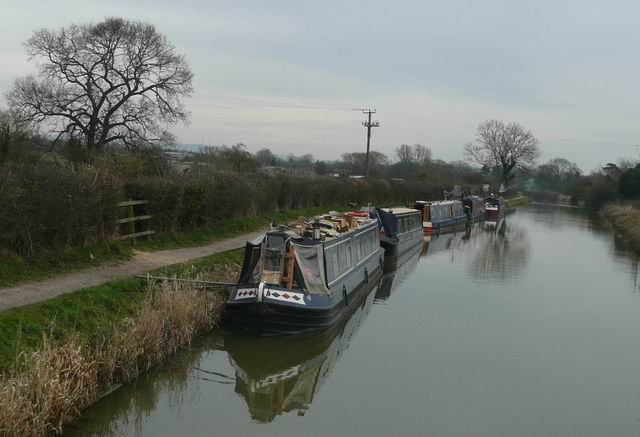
(368, 125)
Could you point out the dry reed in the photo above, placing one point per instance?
(51, 386)
(625, 219)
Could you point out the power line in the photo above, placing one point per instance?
(225, 102)
(231, 104)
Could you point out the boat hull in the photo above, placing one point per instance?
(270, 310)
(448, 225)
(397, 246)
(492, 214)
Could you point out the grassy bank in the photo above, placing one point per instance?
(50, 387)
(90, 311)
(57, 356)
(15, 270)
(520, 200)
(624, 217)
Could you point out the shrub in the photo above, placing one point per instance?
(48, 205)
(630, 183)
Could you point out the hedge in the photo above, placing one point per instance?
(49, 205)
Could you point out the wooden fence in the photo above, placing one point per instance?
(130, 219)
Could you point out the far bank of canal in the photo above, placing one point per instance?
(528, 329)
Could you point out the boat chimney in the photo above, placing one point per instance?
(316, 229)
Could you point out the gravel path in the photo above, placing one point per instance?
(32, 292)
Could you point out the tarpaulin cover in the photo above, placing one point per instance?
(389, 223)
(251, 265)
(310, 260)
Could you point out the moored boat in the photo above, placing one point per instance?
(401, 229)
(441, 216)
(299, 278)
(474, 207)
(494, 208)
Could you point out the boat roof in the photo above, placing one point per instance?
(333, 225)
(399, 210)
(436, 202)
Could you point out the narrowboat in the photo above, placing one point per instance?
(474, 207)
(295, 279)
(282, 375)
(494, 207)
(401, 229)
(441, 216)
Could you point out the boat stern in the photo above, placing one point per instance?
(428, 228)
(264, 309)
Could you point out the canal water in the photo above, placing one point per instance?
(529, 328)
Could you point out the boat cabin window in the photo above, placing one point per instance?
(344, 256)
(349, 255)
(334, 263)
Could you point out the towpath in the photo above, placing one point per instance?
(142, 262)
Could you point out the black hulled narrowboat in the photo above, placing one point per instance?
(401, 229)
(299, 278)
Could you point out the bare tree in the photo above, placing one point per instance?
(404, 153)
(505, 146)
(355, 162)
(421, 154)
(418, 154)
(112, 81)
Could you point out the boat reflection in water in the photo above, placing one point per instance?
(451, 242)
(277, 375)
(396, 270)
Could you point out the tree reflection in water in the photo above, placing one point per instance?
(498, 251)
(502, 255)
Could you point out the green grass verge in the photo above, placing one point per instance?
(520, 200)
(89, 312)
(14, 269)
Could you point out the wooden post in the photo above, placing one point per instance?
(287, 267)
(130, 220)
(132, 223)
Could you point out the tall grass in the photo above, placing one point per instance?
(50, 387)
(624, 217)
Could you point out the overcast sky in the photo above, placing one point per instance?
(286, 74)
